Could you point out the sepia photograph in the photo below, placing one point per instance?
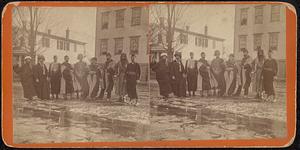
(219, 70)
(157, 72)
(80, 74)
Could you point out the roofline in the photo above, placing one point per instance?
(58, 37)
(61, 38)
(199, 34)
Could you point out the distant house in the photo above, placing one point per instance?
(46, 44)
(123, 30)
(261, 26)
(185, 41)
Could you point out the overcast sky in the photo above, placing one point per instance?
(82, 22)
(218, 18)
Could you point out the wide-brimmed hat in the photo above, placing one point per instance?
(27, 57)
(163, 54)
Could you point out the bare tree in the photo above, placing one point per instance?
(28, 21)
(173, 14)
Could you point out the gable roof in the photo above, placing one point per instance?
(198, 34)
(60, 38)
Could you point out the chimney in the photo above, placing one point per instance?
(205, 30)
(161, 21)
(187, 28)
(49, 31)
(67, 33)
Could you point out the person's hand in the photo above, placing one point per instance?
(173, 77)
(37, 80)
(138, 81)
(115, 76)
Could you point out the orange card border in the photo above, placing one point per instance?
(7, 117)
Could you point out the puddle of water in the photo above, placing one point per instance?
(64, 127)
(207, 124)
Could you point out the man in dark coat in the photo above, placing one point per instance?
(109, 72)
(178, 75)
(192, 74)
(55, 77)
(218, 69)
(133, 73)
(162, 70)
(270, 69)
(27, 80)
(40, 74)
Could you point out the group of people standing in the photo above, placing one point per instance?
(218, 78)
(84, 81)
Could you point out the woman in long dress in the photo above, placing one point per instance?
(257, 64)
(40, 74)
(93, 79)
(204, 73)
(55, 77)
(120, 76)
(80, 76)
(133, 73)
(27, 80)
(269, 71)
(218, 69)
(67, 87)
(230, 75)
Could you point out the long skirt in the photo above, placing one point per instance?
(179, 87)
(120, 85)
(131, 89)
(93, 85)
(230, 78)
(43, 89)
(164, 87)
(28, 88)
(221, 83)
(205, 80)
(258, 82)
(83, 82)
(55, 83)
(213, 81)
(67, 86)
(192, 78)
(268, 79)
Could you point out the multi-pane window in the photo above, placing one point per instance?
(134, 44)
(273, 40)
(275, 13)
(66, 45)
(60, 44)
(259, 11)
(120, 15)
(45, 42)
(183, 38)
(136, 16)
(242, 42)
(257, 41)
(103, 46)
(244, 16)
(198, 41)
(104, 20)
(214, 44)
(205, 42)
(118, 46)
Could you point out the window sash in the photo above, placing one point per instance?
(136, 16)
(134, 45)
(118, 46)
(104, 20)
(275, 13)
(259, 15)
(242, 41)
(257, 41)
(244, 16)
(103, 46)
(273, 41)
(120, 17)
